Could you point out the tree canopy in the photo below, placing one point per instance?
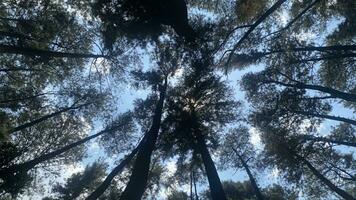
(178, 100)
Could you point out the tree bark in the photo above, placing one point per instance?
(258, 55)
(26, 166)
(333, 57)
(17, 69)
(216, 189)
(326, 181)
(106, 183)
(191, 185)
(334, 93)
(295, 19)
(254, 25)
(250, 175)
(323, 139)
(138, 180)
(340, 119)
(44, 53)
(195, 186)
(25, 98)
(15, 35)
(44, 118)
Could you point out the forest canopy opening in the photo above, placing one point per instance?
(177, 100)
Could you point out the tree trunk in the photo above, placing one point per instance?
(326, 181)
(138, 180)
(341, 119)
(333, 57)
(326, 48)
(257, 55)
(25, 98)
(26, 166)
(323, 139)
(191, 185)
(313, 48)
(254, 25)
(15, 35)
(44, 53)
(334, 93)
(195, 186)
(216, 189)
(297, 17)
(44, 118)
(250, 175)
(106, 183)
(17, 19)
(16, 69)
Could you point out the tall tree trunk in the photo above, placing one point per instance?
(15, 35)
(326, 48)
(16, 19)
(106, 183)
(250, 175)
(216, 189)
(333, 57)
(296, 18)
(254, 25)
(257, 55)
(191, 184)
(195, 186)
(138, 180)
(44, 53)
(334, 93)
(26, 166)
(44, 118)
(313, 48)
(25, 98)
(323, 139)
(340, 119)
(16, 69)
(326, 181)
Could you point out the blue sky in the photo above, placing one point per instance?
(126, 95)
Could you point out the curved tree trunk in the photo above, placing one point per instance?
(334, 93)
(250, 175)
(296, 18)
(340, 119)
(254, 25)
(44, 118)
(216, 189)
(44, 53)
(138, 180)
(26, 166)
(333, 57)
(323, 139)
(326, 181)
(16, 69)
(15, 35)
(106, 183)
(195, 186)
(191, 185)
(24, 98)
(253, 56)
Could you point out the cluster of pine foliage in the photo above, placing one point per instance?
(66, 66)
